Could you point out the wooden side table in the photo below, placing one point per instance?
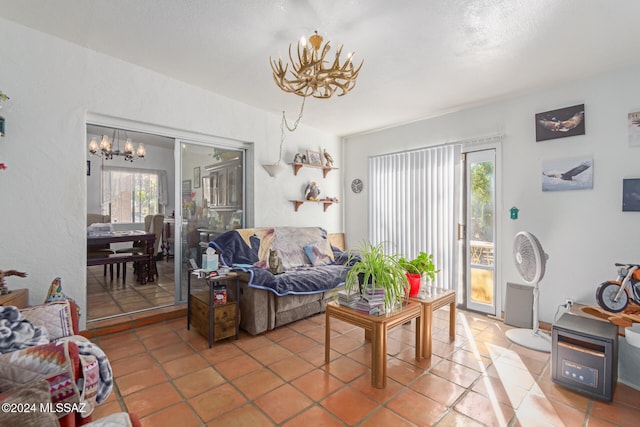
(377, 326)
(438, 298)
(210, 302)
(17, 297)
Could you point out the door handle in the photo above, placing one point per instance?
(462, 231)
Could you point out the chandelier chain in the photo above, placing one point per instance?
(284, 123)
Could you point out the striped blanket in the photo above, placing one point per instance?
(26, 355)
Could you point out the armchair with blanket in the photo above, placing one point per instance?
(40, 343)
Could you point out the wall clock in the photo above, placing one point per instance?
(356, 185)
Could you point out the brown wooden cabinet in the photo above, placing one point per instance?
(17, 297)
(224, 316)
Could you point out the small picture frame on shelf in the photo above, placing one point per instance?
(313, 157)
(196, 177)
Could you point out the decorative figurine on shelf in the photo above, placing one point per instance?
(312, 192)
(328, 157)
(7, 273)
(297, 158)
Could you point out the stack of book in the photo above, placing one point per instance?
(369, 307)
(373, 294)
(348, 299)
(215, 274)
(372, 301)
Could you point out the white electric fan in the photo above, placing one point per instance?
(530, 261)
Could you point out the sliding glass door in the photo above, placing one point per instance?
(211, 201)
(480, 231)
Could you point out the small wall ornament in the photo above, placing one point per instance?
(513, 212)
(3, 97)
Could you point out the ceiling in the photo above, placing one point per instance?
(422, 58)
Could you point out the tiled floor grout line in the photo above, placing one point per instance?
(113, 289)
(170, 379)
(310, 332)
(157, 363)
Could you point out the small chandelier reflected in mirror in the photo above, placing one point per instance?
(311, 74)
(130, 153)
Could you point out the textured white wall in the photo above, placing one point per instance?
(53, 85)
(584, 232)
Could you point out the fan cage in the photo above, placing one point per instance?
(529, 257)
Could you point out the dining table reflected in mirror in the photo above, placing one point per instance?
(145, 262)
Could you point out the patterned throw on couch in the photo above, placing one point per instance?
(311, 265)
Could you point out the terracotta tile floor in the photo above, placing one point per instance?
(169, 377)
(108, 297)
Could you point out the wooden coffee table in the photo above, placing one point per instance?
(438, 298)
(377, 327)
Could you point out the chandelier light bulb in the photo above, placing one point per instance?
(141, 152)
(128, 146)
(105, 146)
(93, 146)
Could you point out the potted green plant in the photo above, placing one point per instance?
(373, 267)
(422, 265)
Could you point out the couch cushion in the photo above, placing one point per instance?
(290, 242)
(317, 255)
(56, 317)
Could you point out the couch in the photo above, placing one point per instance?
(40, 343)
(314, 270)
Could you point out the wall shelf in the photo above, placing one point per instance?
(325, 203)
(298, 166)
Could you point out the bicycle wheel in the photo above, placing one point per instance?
(605, 295)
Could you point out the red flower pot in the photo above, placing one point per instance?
(414, 281)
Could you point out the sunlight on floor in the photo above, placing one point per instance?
(531, 405)
(495, 404)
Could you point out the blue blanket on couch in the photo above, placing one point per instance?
(235, 253)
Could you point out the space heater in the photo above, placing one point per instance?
(584, 355)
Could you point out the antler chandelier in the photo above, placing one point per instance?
(311, 74)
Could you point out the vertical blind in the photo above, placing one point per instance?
(413, 205)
